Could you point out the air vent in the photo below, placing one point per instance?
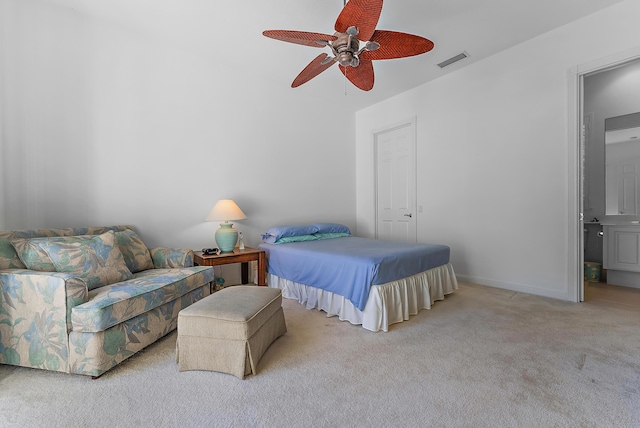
(451, 60)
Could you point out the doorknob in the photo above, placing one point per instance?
(408, 215)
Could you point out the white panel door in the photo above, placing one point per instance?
(395, 151)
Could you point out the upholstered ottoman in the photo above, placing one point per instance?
(230, 330)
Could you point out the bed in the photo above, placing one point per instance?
(361, 280)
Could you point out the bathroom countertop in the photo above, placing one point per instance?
(621, 223)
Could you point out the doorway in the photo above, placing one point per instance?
(395, 182)
(588, 153)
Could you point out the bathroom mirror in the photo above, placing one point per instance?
(622, 159)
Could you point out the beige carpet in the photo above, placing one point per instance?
(483, 357)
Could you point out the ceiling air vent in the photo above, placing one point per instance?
(451, 60)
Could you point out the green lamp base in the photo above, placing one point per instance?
(226, 237)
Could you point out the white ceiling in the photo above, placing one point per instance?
(231, 31)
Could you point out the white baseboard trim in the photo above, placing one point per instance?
(520, 288)
(623, 278)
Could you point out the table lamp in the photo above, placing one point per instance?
(226, 235)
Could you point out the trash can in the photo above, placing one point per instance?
(592, 271)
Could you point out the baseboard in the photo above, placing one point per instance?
(623, 278)
(520, 288)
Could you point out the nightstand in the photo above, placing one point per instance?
(238, 256)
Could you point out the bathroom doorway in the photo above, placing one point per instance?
(606, 89)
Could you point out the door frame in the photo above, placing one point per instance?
(412, 124)
(575, 196)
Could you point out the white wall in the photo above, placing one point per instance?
(493, 155)
(111, 125)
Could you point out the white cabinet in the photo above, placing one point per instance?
(622, 255)
(622, 248)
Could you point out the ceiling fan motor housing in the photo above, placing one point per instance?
(345, 48)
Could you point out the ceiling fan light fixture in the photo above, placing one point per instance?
(372, 46)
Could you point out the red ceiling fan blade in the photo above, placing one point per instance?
(315, 67)
(361, 76)
(394, 44)
(316, 40)
(363, 14)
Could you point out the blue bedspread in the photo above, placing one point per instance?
(349, 266)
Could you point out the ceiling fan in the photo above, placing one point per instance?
(356, 24)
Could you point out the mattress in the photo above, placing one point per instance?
(364, 281)
(349, 266)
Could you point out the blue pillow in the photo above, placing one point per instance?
(331, 228)
(275, 233)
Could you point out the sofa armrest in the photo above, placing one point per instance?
(171, 257)
(35, 317)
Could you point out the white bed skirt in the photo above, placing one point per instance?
(387, 303)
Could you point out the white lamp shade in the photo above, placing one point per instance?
(225, 210)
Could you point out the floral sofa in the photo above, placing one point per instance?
(83, 300)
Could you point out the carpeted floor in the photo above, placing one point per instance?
(483, 357)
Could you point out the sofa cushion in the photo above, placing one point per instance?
(172, 257)
(113, 304)
(9, 258)
(97, 260)
(135, 252)
(33, 255)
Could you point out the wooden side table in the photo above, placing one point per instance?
(238, 256)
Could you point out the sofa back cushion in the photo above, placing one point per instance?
(97, 260)
(33, 255)
(9, 258)
(135, 252)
